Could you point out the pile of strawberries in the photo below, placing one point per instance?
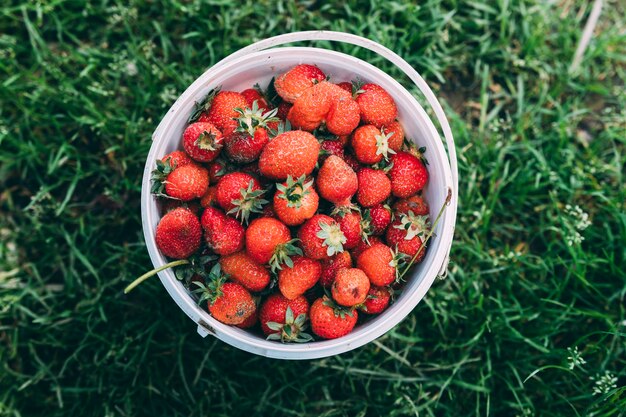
(298, 205)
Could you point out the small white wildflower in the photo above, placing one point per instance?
(168, 94)
(574, 239)
(604, 384)
(575, 358)
(131, 68)
(580, 217)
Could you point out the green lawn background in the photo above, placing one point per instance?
(530, 321)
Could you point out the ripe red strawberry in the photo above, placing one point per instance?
(331, 147)
(408, 174)
(292, 153)
(350, 287)
(364, 244)
(346, 86)
(178, 234)
(286, 317)
(379, 264)
(331, 265)
(343, 116)
(377, 219)
(395, 134)
(328, 322)
(177, 159)
(352, 162)
(377, 106)
(209, 198)
(233, 304)
(370, 145)
(217, 169)
(310, 109)
(244, 270)
(374, 187)
(407, 233)
(336, 181)
(321, 237)
(283, 110)
(223, 111)
(202, 141)
(240, 194)
(251, 95)
(293, 281)
(295, 201)
(223, 234)
(187, 182)
(377, 300)
(349, 220)
(251, 136)
(415, 203)
(269, 241)
(294, 82)
(250, 321)
(167, 205)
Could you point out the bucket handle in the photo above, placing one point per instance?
(317, 35)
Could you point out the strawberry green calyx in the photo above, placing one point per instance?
(410, 147)
(206, 141)
(282, 255)
(332, 236)
(295, 190)
(398, 261)
(339, 311)
(414, 225)
(292, 330)
(366, 226)
(356, 88)
(203, 105)
(213, 289)
(251, 201)
(196, 266)
(382, 144)
(342, 210)
(250, 119)
(159, 176)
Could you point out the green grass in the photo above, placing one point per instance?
(82, 87)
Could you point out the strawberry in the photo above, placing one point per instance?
(283, 110)
(331, 265)
(371, 145)
(250, 321)
(223, 234)
(343, 116)
(187, 182)
(336, 181)
(350, 287)
(349, 220)
(268, 211)
(377, 300)
(379, 263)
(330, 322)
(294, 82)
(415, 203)
(321, 237)
(408, 174)
(284, 318)
(295, 201)
(177, 159)
(346, 86)
(209, 198)
(352, 162)
(202, 141)
(246, 143)
(363, 245)
(407, 234)
(292, 153)
(310, 109)
(240, 194)
(377, 106)
(331, 147)
(217, 169)
(374, 187)
(178, 233)
(223, 111)
(395, 134)
(269, 241)
(295, 280)
(377, 219)
(228, 302)
(251, 95)
(169, 204)
(245, 271)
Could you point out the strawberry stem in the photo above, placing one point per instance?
(154, 272)
(428, 236)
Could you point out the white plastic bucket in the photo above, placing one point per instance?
(257, 63)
